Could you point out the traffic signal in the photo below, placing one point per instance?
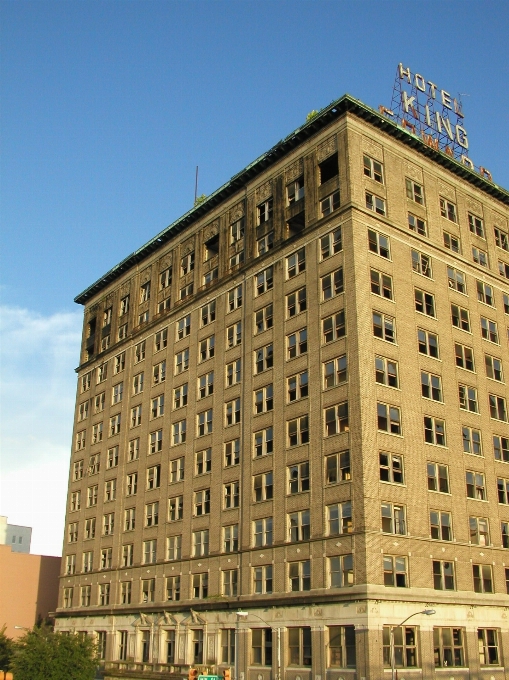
(227, 674)
(193, 674)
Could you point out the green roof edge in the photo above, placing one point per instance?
(337, 108)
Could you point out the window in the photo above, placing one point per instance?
(264, 318)
(154, 477)
(174, 548)
(480, 256)
(299, 575)
(475, 485)
(489, 330)
(297, 343)
(468, 398)
(448, 210)
(381, 284)
(134, 449)
(296, 263)
(342, 646)
(501, 448)
(389, 418)
(264, 442)
(86, 381)
(471, 441)
(264, 244)
(483, 578)
(233, 372)
(148, 587)
(488, 646)
(187, 264)
(161, 340)
(237, 230)
(443, 575)
(186, 291)
(155, 441)
(127, 555)
(205, 385)
(200, 587)
(179, 432)
(181, 361)
(295, 190)
(163, 305)
(210, 276)
(391, 467)
(78, 470)
(452, 242)
(440, 525)
(448, 644)
(108, 523)
(175, 508)
(231, 495)
(298, 431)
(417, 224)
(421, 264)
(157, 406)
(336, 419)
(130, 519)
(401, 647)
(299, 646)
(180, 396)
(424, 302)
(414, 191)
(158, 373)
(297, 385)
(393, 519)
(230, 583)
(132, 484)
(378, 243)
(110, 490)
(479, 531)
(329, 204)
(75, 501)
(102, 372)
(337, 467)
(177, 468)
(152, 514)
(94, 464)
(145, 292)
(263, 487)
(331, 243)
(375, 203)
(86, 596)
(204, 422)
(431, 386)
(261, 638)
(295, 304)
(203, 461)
(83, 410)
(232, 412)
(298, 478)
(115, 425)
(230, 538)
(504, 529)
(262, 581)
(68, 597)
(97, 435)
(262, 532)
(264, 281)
(501, 238)
(90, 528)
(165, 278)
(299, 528)
(485, 293)
(475, 225)
(264, 399)
(263, 358)
(373, 169)
(498, 408)
(464, 357)
(339, 519)
(202, 502)
(395, 571)
(456, 280)
(264, 211)
(208, 313)
(233, 335)
(384, 327)
(70, 565)
(232, 453)
(503, 269)
(460, 318)
(235, 298)
(201, 543)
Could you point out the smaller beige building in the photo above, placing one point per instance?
(28, 589)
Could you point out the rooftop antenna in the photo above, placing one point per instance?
(196, 186)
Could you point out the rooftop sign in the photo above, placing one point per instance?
(423, 108)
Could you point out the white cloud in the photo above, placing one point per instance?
(37, 391)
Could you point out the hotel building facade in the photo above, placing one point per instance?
(291, 438)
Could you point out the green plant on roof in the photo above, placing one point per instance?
(312, 114)
(200, 199)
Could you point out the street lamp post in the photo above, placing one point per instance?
(241, 614)
(427, 612)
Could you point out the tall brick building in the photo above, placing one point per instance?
(292, 404)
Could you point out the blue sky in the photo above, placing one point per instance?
(107, 108)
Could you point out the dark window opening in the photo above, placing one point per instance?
(328, 168)
(296, 224)
(212, 245)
